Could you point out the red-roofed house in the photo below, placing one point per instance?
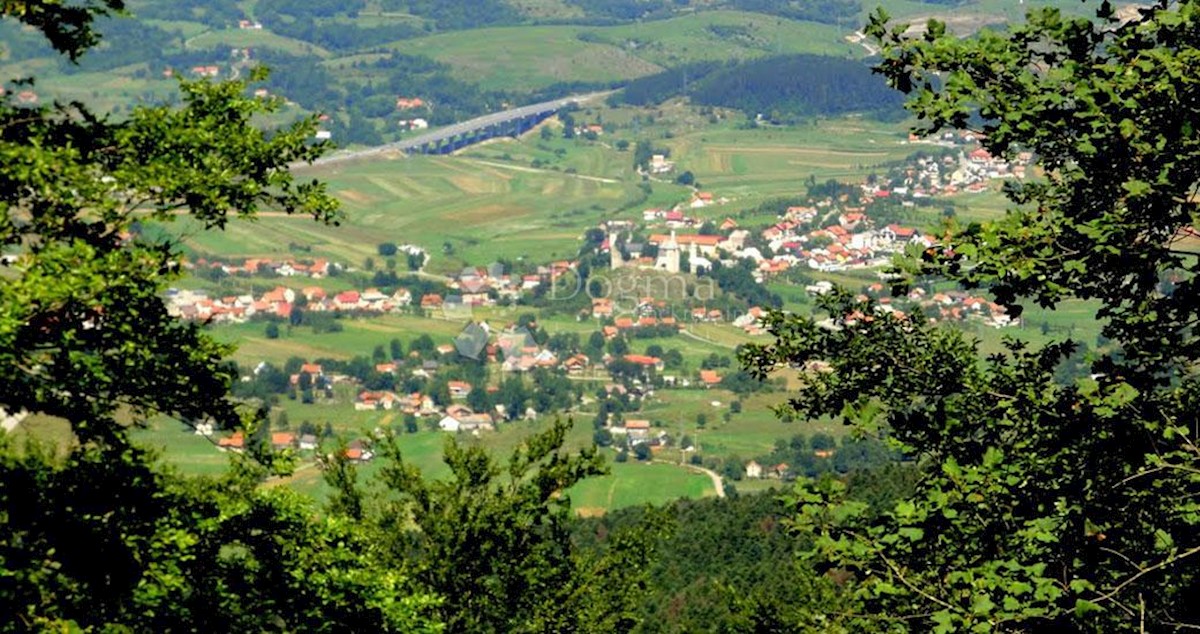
(637, 429)
(232, 443)
(710, 378)
(645, 361)
(348, 300)
(459, 389)
(282, 440)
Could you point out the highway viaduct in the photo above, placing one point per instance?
(512, 122)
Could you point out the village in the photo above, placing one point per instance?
(467, 386)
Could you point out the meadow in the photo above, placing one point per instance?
(533, 57)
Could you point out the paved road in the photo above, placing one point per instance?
(456, 129)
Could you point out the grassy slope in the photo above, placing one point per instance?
(527, 57)
(241, 38)
(691, 38)
(534, 56)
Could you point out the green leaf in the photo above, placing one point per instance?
(1084, 607)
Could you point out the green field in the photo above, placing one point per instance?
(242, 38)
(486, 210)
(724, 35)
(358, 337)
(751, 165)
(528, 57)
(632, 484)
(532, 57)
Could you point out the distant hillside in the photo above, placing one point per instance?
(782, 89)
(353, 59)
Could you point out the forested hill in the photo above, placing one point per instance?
(780, 88)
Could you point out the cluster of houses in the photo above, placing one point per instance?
(756, 471)
(936, 307)
(638, 432)
(356, 450)
(281, 301)
(850, 241)
(968, 172)
(480, 286)
(589, 129)
(316, 269)
(949, 305)
(455, 417)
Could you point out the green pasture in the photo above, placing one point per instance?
(185, 28)
(723, 35)
(532, 57)
(749, 433)
(766, 162)
(358, 337)
(635, 483)
(485, 210)
(528, 57)
(242, 38)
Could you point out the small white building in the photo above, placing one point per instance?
(450, 424)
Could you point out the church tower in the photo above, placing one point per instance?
(668, 255)
(616, 261)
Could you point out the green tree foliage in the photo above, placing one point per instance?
(1041, 505)
(104, 538)
(81, 292)
(494, 540)
(727, 565)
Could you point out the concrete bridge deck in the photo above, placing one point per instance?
(512, 122)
